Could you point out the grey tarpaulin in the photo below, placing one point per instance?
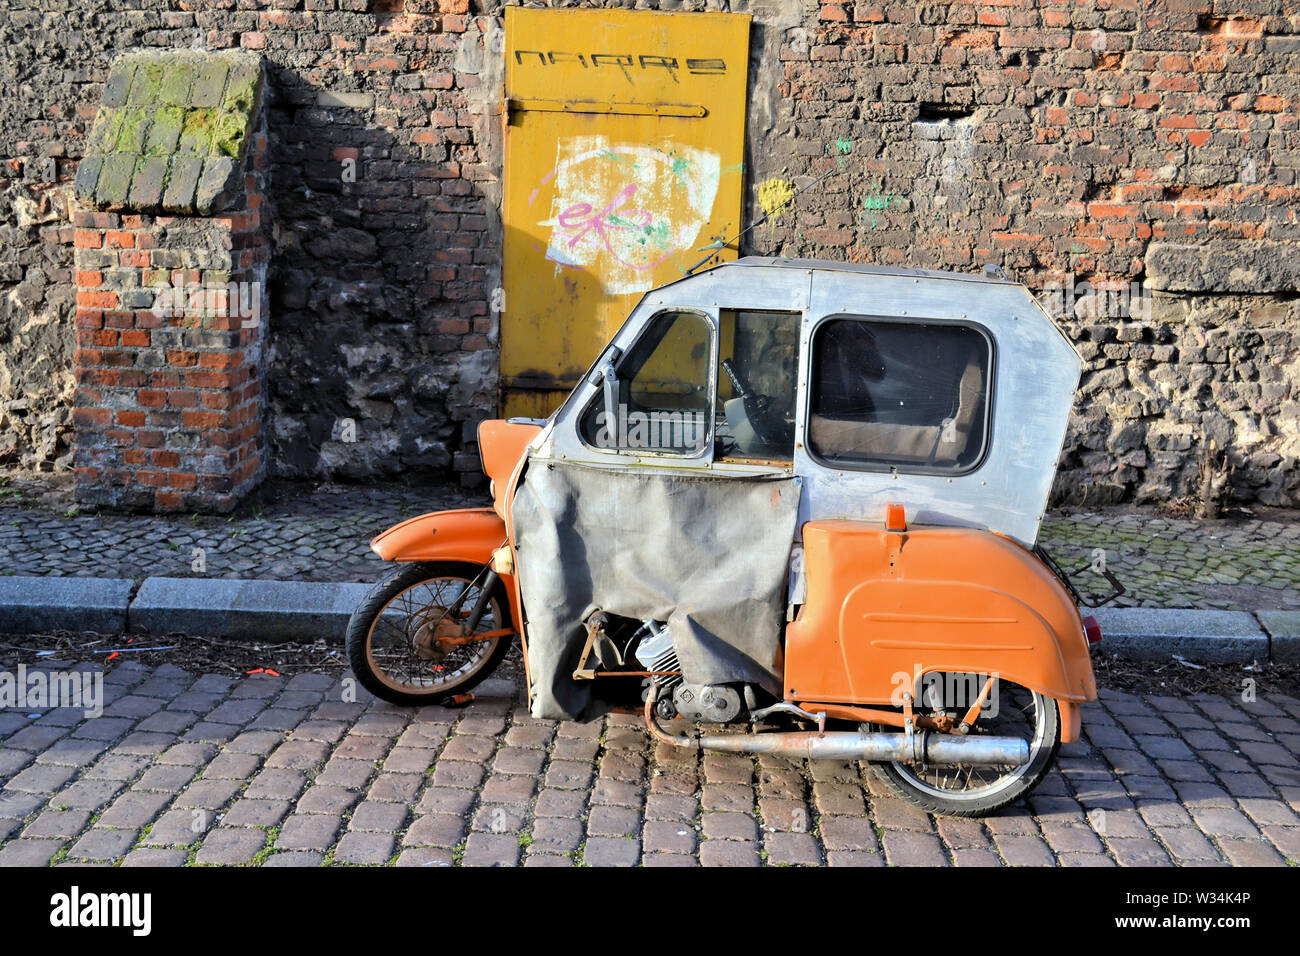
(707, 554)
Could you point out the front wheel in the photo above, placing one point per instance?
(1014, 711)
(405, 640)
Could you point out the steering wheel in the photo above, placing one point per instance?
(758, 408)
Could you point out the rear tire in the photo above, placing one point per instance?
(384, 629)
(925, 787)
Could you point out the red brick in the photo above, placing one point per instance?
(96, 300)
(86, 417)
(205, 419)
(168, 501)
(206, 379)
(183, 481)
(220, 360)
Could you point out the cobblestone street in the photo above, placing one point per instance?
(188, 769)
(323, 534)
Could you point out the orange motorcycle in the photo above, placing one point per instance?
(791, 509)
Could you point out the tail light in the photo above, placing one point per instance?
(1092, 629)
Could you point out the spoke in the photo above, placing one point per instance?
(393, 636)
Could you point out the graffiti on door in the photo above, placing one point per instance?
(619, 210)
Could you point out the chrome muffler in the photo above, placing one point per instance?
(913, 747)
(922, 747)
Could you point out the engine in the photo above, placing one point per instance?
(706, 703)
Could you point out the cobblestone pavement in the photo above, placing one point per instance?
(322, 533)
(305, 533)
(1170, 562)
(186, 769)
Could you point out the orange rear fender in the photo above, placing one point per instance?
(884, 608)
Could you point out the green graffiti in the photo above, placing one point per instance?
(656, 232)
(876, 202)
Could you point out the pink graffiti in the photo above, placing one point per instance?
(578, 221)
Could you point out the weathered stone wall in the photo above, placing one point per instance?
(1106, 141)
(1109, 144)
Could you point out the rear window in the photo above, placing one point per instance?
(906, 396)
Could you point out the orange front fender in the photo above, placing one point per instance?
(466, 534)
(469, 535)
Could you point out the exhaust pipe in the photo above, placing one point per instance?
(921, 747)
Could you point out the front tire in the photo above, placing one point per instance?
(390, 637)
(980, 791)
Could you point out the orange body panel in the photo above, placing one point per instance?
(883, 608)
(467, 534)
(501, 445)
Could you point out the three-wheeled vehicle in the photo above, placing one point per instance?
(791, 509)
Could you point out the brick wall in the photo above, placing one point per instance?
(1143, 146)
(170, 379)
(1107, 141)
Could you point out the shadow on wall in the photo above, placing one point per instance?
(382, 353)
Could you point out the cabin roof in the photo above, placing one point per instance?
(861, 268)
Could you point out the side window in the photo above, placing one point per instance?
(757, 380)
(664, 391)
(907, 395)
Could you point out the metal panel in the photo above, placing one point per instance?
(1034, 382)
(624, 156)
(727, 287)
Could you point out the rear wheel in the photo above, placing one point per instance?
(399, 638)
(1012, 711)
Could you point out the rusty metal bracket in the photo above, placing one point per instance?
(973, 714)
(531, 105)
(594, 629)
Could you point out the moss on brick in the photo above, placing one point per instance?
(230, 134)
(162, 105)
(133, 131)
(196, 132)
(165, 133)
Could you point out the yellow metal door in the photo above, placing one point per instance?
(625, 145)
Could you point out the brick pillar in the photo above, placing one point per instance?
(171, 315)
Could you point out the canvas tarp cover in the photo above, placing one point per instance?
(709, 555)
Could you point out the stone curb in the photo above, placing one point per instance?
(33, 605)
(308, 611)
(253, 610)
(1142, 633)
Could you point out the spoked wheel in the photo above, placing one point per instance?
(406, 641)
(1012, 711)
